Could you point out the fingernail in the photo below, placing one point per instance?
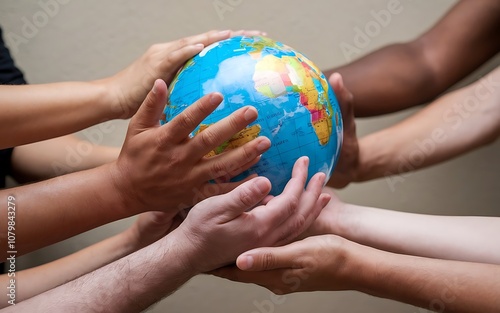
(155, 87)
(261, 184)
(247, 263)
(215, 98)
(263, 145)
(306, 160)
(199, 46)
(326, 199)
(249, 114)
(322, 178)
(224, 32)
(341, 81)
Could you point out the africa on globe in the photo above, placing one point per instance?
(297, 108)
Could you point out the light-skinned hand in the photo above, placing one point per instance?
(218, 229)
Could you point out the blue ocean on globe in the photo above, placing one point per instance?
(298, 110)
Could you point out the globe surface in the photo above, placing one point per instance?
(297, 108)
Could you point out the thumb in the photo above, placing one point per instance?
(264, 259)
(345, 97)
(242, 198)
(150, 110)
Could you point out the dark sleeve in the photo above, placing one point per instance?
(9, 75)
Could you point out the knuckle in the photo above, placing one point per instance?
(218, 169)
(162, 139)
(182, 42)
(284, 235)
(292, 205)
(350, 97)
(210, 36)
(208, 138)
(299, 223)
(203, 105)
(207, 37)
(246, 197)
(170, 58)
(296, 227)
(177, 158)
(234, 123)
(187, 120)
(268, 260)
(247, 154)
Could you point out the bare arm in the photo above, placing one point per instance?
(35, 112)
(80, 201)
(452, 125)
(213, 234)
(331, 263)
(148, 228)
(404, 75)
(39, 112)
(58, 156)
(461, 238)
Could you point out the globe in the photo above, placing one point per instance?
(297, 108)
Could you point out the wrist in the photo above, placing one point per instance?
(120, 191)
(363, 268)
(103, 99)
(346, 221)
(130, 238)
(111, 98)
(371, 158)
(177, 244)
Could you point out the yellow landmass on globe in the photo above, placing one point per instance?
(238, 140)
(323, 129)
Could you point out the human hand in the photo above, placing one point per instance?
(150, 227)
(318, 263)
(347, 167)
(332, 219)
(129, 87)
(161, 168)
(218, 229)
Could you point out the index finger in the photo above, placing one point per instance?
(280, 208)
(206, 39)
(270, 258)
(179, 128)
(212, 36)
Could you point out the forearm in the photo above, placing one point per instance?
(34, 281)
(62, 155)
(459, 238)
(130, 284)
(39, 112)
(438, 285)
(388, 80)
(452, 125)
(66, 206)
(403, 75)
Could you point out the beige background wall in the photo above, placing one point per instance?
(85, 40)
